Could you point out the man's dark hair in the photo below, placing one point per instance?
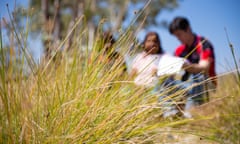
(179, 23)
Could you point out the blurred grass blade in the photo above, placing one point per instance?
(234, 57)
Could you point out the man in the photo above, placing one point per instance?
(200, 54)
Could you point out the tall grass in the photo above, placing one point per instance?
(73, 99)
(79, 97)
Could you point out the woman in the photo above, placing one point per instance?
(147, 70)
(145, 64)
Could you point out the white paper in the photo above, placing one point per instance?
(169, 65)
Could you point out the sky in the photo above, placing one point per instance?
(214, 19)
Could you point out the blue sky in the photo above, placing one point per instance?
(208, 18)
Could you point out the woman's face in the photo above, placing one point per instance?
(151, 44)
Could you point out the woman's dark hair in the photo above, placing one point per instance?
(179, 23)
(160, 51)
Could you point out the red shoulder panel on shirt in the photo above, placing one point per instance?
(179, 50)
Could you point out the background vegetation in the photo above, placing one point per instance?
(76, 96)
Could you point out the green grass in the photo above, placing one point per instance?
(78, 98)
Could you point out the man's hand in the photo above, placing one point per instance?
(202, 66)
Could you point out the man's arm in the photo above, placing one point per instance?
(202, 66)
